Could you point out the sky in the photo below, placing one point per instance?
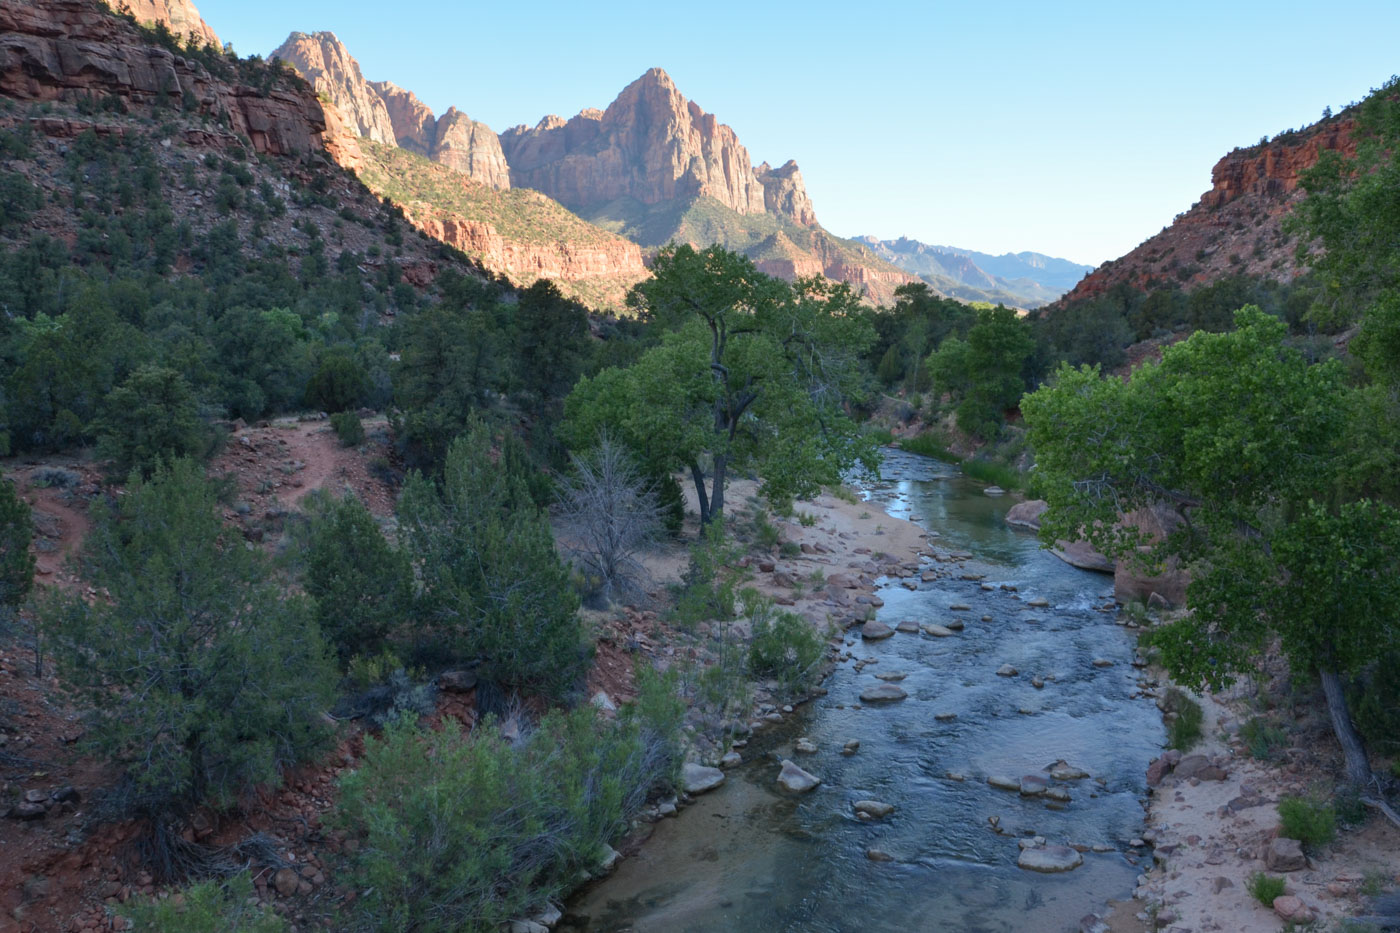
(1073, 129)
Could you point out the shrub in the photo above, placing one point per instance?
(1262, 738)
(995, 473)
(152, 416)
(784, 646)
(463, 833)
(1184, 730)
(929, 445)
(205, 677)
(1311, 821)
(765, 532)
(1266, 888)
(361, 585)
(708, 586)
(228, 906)
(348, 428)
(338, 384)
(16, 561)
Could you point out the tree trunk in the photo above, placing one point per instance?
(698, 476)
(717, 488)
(1358, 767)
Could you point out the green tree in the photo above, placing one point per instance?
(205, 677)
(1241, 436)
(16, 560)
(984, 374)
(152, 416)
(751, 372)
(552, 341)
(493, 586)
(338, 384)
(361, 585)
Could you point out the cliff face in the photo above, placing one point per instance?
(327, 65)
(68, 49)
(471, 148)
(180, 16)
(785, 194)
(414, 126)
(651, 145)
(1237, 226)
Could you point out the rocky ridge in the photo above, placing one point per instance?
(327, 65)
(1026, 280)
(179, 16)
(1237, 226)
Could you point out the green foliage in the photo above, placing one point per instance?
(150, 418)
(226, 906)
(1262, 738)
(348, 428)
(1266, 888)
(204, 675)
(995, 473)
(784, 647)
(984, 374)
(1311, 821)
(463, 833)
(340, 383)
(1184, 730)
(1375, 698)
(492, 585)
(750, 373)
(16, 560)
(362, 586)
(929, 444)
(709, 587)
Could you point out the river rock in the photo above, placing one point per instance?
(875, 630)
(851, 747)
(891, 676)
(794, 779)
(1062, 771)
(843, 581)
(945, 717)
(878, 855)
(805, 746)
(1006, 670)
(937, 631)
(1027, 514)
(908, 626)
(1057, 794)
(1050, 859)
(1285, 854)
(1040, 602)
(954, 625)
(959, 607)
(1081, 554)
(882, 693)
(1292, 910)
(1033, 785)
(697, 779)
(872, 809)
(994, 491)
(731, 760)
(1102, 662)
(1003, 783)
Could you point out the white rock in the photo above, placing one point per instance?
(792, 778)
(1050, 859)
(697, 779)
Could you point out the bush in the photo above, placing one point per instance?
(463, 833)
(1262, 738)
(1185, 729)
(206, 677)
(348, 428)
(1311, 821)
(339, 384)
(784, 646)
(151, 417)
(995, 473)
(361, 586)
(1265, 888)
(929, 445)
(1375, 699)
(228, 906)
(708, 587)
(16, 561)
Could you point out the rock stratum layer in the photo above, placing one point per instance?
(66, 49)
(1237, 226)
(179, 16)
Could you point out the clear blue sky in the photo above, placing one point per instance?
(1072, 129)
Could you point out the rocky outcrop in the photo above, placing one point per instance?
(1237, 226)
(525, 262)
(785, 194)
(471, 148)
(70, 49)
(179, 16)
(651, 145)
(415, 127)
(332, 71)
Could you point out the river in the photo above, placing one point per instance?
(748, 857)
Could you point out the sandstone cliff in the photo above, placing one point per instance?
(785, 194)
(179, 16)
(414, 126)
(471, 148)
(70, 49)
(1237, 226)
(327, 65)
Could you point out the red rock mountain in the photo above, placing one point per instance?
(1237, 226)
(651, 145)
(180, 16)
(325, 63)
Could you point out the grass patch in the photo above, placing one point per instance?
(1184, 730)
(995, 473)
(1310, 820)
(929, 445)
(1265, 888)
(1263, 739)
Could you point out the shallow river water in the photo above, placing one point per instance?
(749, 858)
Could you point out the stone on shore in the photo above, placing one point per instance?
(1285, 854)
(794, 779)
(1292, 910)
(697, 779)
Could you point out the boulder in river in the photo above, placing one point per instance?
(872, 809)
(882, 693)
(954, 624)
(908, 626)
(1003, 783)
(960, 607)
(1063, 771)
(1050, 859)
(794, 779)
(937, 631)
(890, 676)
(697, 779)
(1081, 554)
(1006, 670)
(874, 630)
(1027, 514)
(1033, 785)
(805, 746)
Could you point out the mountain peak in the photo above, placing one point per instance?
(179, 16)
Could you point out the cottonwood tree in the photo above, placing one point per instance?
(750, 373)
(607, 513)
(204, 675)
(1241, 436)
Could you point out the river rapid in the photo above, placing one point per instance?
(748, 857)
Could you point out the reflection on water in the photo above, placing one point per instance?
(747, 858)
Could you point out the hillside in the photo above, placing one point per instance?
(1236, 228)
(518, 233)
(1025, 279)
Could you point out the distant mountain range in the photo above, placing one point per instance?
(1026, 280)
